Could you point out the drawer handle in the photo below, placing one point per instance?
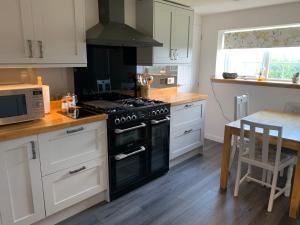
(188, 131)
(78, 170)
(75, 130)
(33, 150)
(188, 106)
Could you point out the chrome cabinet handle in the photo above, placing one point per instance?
(123, 156)
(33, 150)
(75, 130)
(175, 54)
(41, 49)
(120, 131)
(160, 121)
(188, 131)
(78, 170)
(30, 48)
(188, 106)
(172, 54)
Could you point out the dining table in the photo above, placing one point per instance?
(290, 122)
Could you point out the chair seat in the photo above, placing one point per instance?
(285, 157)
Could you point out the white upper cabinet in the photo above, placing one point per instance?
(16, 32)
(170, 24)
(60, 31)
(21, 191)
(42, 33)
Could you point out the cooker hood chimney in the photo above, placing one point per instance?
(112, 31)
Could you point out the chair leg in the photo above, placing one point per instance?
(264, 176)
(233, 151)
(281, 173)
(289, 181)
(273, 188)
(238, 178)
(249, 172)
(269, 177)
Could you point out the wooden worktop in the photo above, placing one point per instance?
(172, 96)
(52, 121)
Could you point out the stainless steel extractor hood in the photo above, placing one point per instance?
(112, 31)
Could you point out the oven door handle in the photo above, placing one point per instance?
(123, 156)
(160, 121)
(120, 131)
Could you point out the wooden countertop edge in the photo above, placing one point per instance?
(184, 101)
(20, 130)
(257, 83)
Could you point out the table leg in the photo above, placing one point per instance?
(225, 158)
(295, 199)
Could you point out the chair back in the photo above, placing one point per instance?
(251, 131)
(241, 105)
(292, 107)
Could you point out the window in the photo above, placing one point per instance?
(273, 52)
(274, 63)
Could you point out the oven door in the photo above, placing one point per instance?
(160, 142)
(127, 170)
(127, 137)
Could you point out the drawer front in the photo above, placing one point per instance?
(186, 115)
(68, 147)
(70, 186)
(185, 140)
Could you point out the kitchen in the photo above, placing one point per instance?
(98, 153)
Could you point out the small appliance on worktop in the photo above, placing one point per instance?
(20, 102)
(138, 138)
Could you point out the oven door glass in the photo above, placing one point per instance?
(160, 136)
(13, 105)
(128, 168)
(128, 137)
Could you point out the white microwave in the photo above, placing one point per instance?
(20, 102)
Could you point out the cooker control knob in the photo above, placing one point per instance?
(157, 112)
(128, 118)
(161, 111)
(117, 121)
(153, 113)
(123, 119)
(134, 117)
(166, 110)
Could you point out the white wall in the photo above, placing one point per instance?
(260, 97)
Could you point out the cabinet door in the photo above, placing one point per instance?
(185, 140)
(64, 148)
(16, 32)
(60, 31)
(21, 190)
(70, 186)
(181, 41)
(162, 32)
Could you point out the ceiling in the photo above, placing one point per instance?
(215, 6)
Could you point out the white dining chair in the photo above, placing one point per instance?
(241, 110)
(265, 158)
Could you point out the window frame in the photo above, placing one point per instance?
(220, 58)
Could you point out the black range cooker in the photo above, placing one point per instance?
(138, 139)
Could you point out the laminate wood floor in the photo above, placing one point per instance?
(189, 195)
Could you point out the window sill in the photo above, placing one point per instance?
(280, 84)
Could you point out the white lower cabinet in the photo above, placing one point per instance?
(65, 148)
(70, 186)
(74, 166)
(21, 191)
(187, 127)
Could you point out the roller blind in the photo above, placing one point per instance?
(267, 38)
